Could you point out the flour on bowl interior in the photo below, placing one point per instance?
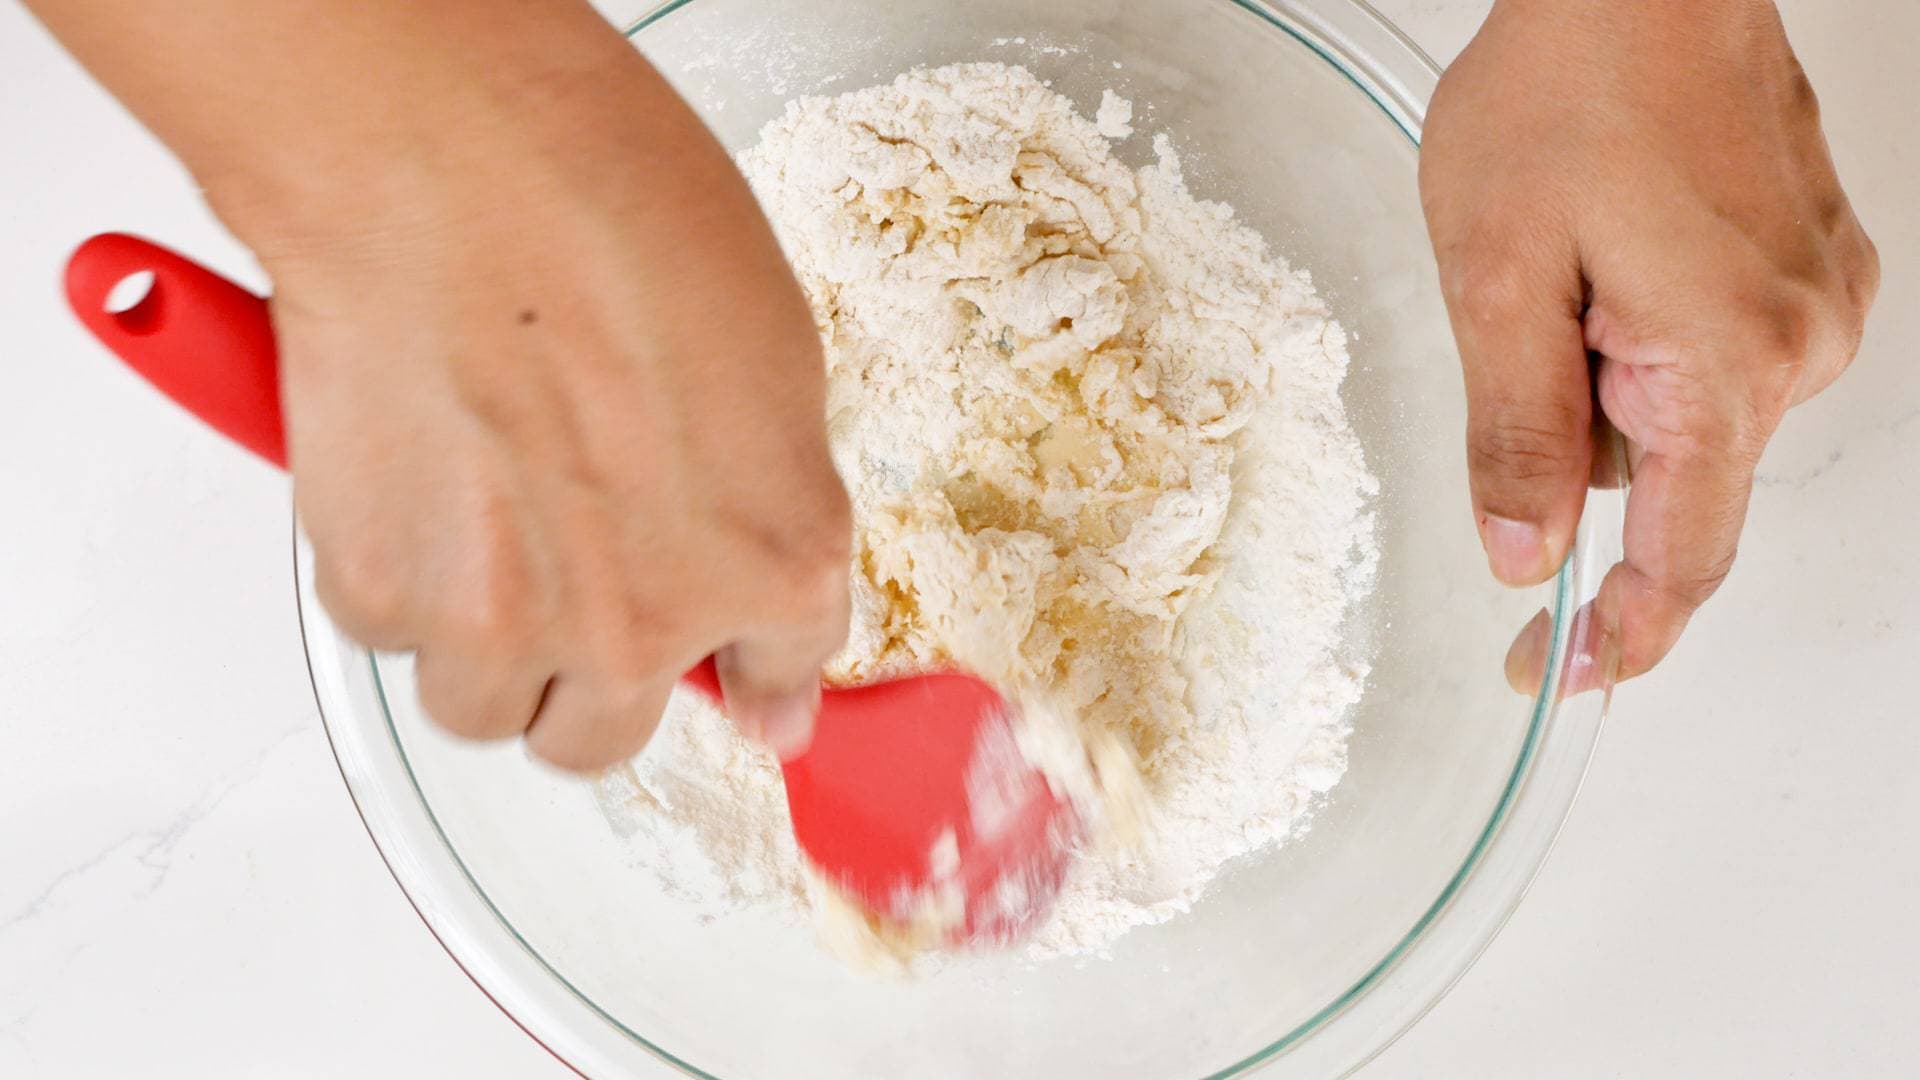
(1093, 434)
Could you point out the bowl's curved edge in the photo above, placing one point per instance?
(302, 608)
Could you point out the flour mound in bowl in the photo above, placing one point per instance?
(1093, 434)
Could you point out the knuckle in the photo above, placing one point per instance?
(1692, 590)
(589, 758)
(1788, 328)
(1862, 282)
(751, 690)
(580, 760)
(1709, 437)
(814, 579)
(365, 586)
(497, 608)
(1521, 451)
(1787, 332)
(1490, 291)
(578, 755)
(467, 723)
(1801, 94)
(625, 639)
(824, 533)
(602, 725)
(806, 556)
(467, 718)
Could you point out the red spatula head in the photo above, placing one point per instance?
(915, 794)
(914, 791)
(917, 787)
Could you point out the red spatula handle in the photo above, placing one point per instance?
(202, 340)
(206, 343)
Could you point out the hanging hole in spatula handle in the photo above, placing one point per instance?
(200, 339)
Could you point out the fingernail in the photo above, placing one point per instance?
(1516, 550)
(785, 727)
(1527, 657)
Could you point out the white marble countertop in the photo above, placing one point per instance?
(185, 890)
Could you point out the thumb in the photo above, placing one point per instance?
(771, 684)
(1516, 315)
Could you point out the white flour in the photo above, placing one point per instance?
(1094, 438)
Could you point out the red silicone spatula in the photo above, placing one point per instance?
(895, 768)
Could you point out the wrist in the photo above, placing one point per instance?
(1665, 11)
(1655, 41)
(429, 129)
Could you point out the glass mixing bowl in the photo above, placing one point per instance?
(1306, 117)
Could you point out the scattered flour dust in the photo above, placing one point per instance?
(1094, 438)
